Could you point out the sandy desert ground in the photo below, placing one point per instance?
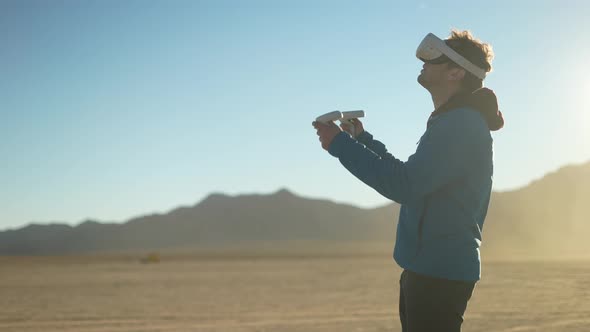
(293, 293)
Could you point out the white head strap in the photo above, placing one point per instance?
(433, 47)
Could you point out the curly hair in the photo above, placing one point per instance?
(474, 50)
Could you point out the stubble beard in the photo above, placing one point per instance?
(422, 81)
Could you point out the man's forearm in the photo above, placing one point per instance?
(384, 173)
(372, 144)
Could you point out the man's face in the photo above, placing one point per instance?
(433, 75)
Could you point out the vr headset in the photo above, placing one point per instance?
(434, 50)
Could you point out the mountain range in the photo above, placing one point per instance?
(547, 218)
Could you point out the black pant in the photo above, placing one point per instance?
(428, 304)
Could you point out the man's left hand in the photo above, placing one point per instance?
(326, 132)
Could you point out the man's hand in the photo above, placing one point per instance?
(358, 127)
(326, 132)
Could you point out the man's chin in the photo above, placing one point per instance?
(422, 81)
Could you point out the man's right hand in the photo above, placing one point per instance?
(358, 127)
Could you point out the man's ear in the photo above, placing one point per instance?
(456, 74)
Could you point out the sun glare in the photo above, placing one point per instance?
(585, 108)
(581, 104)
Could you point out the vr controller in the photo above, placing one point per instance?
(344, 118)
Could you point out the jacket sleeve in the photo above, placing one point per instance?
(372, 144)
(441, 157)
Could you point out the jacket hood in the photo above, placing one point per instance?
(482, 100)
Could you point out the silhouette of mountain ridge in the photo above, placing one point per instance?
(549, 216)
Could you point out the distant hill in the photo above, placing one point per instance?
(547, 218)
(215, 222)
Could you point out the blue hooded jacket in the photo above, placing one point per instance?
(444, 190)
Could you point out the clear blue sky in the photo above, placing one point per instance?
(114, 109)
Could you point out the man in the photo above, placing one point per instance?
(444, 187)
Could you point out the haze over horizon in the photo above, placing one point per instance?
(569, 183)
(117, 109)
